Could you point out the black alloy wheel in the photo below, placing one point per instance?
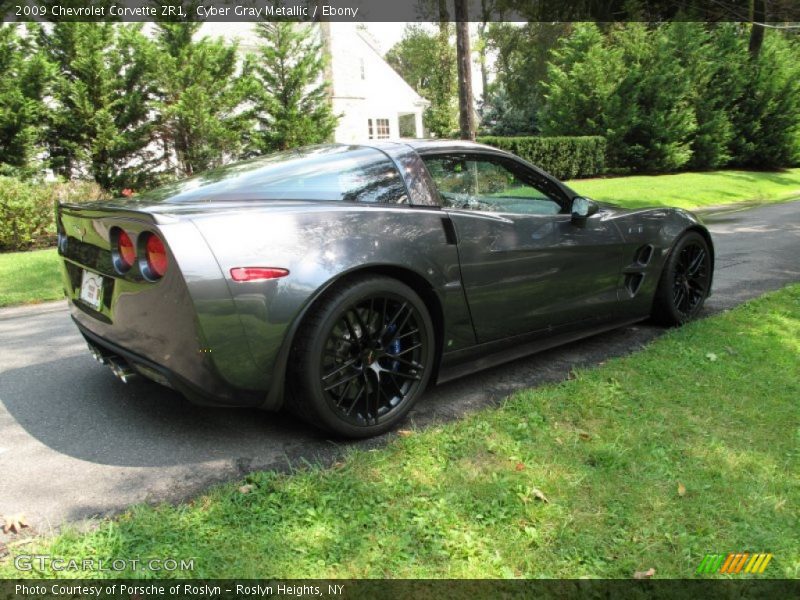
(363, 358)
(685, 282)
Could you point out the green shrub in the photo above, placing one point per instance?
(565, 157)
(27, 209)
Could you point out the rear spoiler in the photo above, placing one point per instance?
(92, 210)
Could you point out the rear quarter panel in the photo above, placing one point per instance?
(319, 245)
(156, 320)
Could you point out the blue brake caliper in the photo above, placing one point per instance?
(394, 346)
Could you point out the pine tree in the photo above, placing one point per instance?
(499, 115)
(766, 118)
(25, 78)
(102, 92)
(292, 104)
(582, 78)
(711, 59)
(203, 120)
(650, 121)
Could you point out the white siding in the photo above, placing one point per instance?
(380, 94)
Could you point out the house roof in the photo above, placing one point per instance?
(370, 42)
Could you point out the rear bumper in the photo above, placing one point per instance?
(164, 376)
(183, 329)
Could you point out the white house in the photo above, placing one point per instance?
(373, 101)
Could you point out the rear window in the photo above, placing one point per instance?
(325, 173)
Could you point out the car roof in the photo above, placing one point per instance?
(427, 145)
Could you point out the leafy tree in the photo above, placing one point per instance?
(521, 63)
(23, 85)
(427, 61)
(292, 101)
(103, 89)
(766, 118)
(202, 116)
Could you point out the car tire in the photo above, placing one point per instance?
(362, 357)
(685, 281)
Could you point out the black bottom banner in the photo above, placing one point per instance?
(415, 589)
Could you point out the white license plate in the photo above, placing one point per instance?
(92, 289)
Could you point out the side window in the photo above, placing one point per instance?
(490, 184)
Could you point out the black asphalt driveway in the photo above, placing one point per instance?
(75, 442)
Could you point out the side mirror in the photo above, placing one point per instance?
(582, 209)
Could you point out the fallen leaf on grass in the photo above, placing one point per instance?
(247, 488)
(711, 356)
(14, 523)
(644, 574)
(584, 435)
(519, 467)
(681, 489)
(404, 432)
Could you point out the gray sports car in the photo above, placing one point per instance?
(340, 280)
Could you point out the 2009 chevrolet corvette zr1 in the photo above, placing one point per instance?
(340, 280)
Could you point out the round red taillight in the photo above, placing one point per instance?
(156, 256)
(123, 250)
(126, 250)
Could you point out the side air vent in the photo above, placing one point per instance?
(449, 231)
(633, 281)
(644, 254)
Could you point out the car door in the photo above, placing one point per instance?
(525, 264)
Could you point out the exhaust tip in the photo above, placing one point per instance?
(122, 370)
(97, 355)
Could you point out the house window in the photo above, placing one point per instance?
(378, 129)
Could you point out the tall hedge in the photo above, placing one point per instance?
(566, 157)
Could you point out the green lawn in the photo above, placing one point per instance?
(693, 190)
(690, 446)
(27, 277)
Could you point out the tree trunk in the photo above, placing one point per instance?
(757, 31)
(485, 17)
(444, 41)
(466, 120)
(484, 67)
(444, 17)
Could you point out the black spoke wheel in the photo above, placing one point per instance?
(363, 357)
(685, 281)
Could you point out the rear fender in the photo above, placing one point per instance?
(318, 247)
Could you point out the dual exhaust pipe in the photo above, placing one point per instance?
(119, 366)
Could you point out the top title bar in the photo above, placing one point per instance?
(776, 11)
